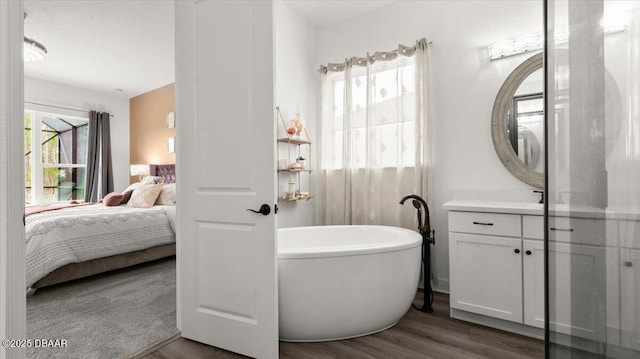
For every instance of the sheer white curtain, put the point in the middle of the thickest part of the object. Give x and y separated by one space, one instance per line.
375 138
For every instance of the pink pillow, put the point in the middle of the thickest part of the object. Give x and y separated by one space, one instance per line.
113 199
126 196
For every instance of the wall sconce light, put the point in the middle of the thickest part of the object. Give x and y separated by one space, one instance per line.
171 120
535 42
171 145
140 170
519 45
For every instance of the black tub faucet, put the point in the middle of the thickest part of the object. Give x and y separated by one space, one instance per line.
417 201
424 227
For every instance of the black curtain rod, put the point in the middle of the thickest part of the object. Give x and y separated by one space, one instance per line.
60 107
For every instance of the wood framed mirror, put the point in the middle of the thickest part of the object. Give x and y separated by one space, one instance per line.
518 142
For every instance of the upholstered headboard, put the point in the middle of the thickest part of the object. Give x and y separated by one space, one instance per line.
167 172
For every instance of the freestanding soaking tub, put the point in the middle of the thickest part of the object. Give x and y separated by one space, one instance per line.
338 282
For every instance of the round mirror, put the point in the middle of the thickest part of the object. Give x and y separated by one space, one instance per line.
517 122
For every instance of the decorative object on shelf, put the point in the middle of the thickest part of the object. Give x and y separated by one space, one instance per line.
291 192
295 129
297 124
301 161
171 120
295 166
140 171
171 144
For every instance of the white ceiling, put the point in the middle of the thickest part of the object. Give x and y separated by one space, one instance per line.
103 45
322 13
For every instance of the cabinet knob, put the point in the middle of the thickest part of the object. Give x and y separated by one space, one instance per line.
628 264
528 253
517 251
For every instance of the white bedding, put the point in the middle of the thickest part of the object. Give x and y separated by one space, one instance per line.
78 234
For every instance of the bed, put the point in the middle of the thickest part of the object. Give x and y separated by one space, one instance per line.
81 241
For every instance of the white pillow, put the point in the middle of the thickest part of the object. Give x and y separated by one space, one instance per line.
167 195
145 196
152 180
131 187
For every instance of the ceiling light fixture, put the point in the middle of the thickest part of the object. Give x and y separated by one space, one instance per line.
33 50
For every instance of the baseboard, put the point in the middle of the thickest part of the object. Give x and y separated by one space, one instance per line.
496 323
441 287
157 346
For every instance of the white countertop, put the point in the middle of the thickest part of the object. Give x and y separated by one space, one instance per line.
537 209
495 207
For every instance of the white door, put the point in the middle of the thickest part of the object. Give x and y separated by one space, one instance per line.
227 269
486 275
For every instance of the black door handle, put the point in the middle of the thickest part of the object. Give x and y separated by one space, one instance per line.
517 251
265 209
528 253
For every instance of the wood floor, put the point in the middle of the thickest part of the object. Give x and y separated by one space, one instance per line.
417 335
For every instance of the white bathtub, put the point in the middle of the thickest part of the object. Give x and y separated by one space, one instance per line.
338 282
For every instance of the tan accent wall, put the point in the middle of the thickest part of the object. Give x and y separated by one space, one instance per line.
148 127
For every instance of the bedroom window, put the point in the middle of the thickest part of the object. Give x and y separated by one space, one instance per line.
55 157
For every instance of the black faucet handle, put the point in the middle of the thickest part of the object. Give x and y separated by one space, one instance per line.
542 197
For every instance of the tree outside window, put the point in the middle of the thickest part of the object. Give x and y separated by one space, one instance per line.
59 172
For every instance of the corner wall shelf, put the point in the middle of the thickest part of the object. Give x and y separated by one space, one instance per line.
295 170
293 163
294 141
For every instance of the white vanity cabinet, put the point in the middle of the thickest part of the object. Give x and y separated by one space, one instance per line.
485 264
566 263
630 298
496 259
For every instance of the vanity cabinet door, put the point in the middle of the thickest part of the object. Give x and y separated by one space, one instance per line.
576 271
533 279
630 298
486 275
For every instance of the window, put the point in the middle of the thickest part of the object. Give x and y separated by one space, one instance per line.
525 127
381 125
55 157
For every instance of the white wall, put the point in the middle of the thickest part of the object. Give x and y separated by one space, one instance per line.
55 94
465 84
296 85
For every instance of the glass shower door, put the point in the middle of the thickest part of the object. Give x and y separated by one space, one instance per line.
593 179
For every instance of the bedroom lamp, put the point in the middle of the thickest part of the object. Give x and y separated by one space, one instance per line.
140 170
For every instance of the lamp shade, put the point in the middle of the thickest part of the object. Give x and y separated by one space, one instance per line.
140 170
